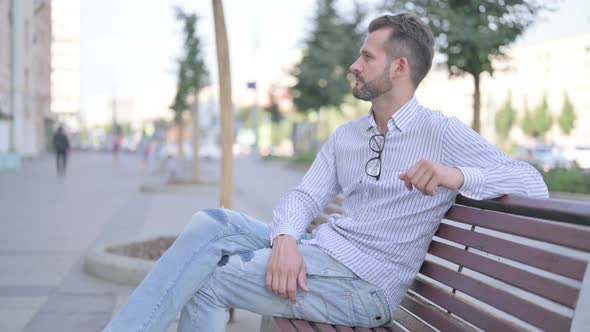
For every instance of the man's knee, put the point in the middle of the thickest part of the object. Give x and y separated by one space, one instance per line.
213 223
208 220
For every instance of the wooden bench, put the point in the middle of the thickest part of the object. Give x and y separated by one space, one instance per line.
507 264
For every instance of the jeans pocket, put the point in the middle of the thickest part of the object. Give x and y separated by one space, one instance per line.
332 308
379 312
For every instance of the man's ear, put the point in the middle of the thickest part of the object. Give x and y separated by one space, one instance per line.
403 65
399 67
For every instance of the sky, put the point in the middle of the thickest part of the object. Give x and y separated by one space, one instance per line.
129 48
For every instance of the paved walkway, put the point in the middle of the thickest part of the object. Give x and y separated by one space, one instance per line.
48 224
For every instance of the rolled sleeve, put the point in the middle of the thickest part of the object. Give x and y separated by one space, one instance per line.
284 229
473 182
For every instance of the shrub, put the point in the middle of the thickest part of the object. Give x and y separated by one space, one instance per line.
567 180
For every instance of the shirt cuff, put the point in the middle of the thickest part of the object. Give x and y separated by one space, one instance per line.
473 182
285 229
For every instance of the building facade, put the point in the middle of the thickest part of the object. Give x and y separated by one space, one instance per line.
65 63
25 69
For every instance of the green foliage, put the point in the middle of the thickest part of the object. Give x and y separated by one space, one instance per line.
192 72
505 118
330 49
245 116
542 120
538 122
567 180
471 33
526 124
275 114
275 118
567 118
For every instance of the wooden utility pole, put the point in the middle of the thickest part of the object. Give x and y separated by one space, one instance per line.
227 114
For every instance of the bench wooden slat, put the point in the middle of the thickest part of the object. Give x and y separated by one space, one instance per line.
341 328
468 311
410 322
433 315
362 329
498 298
548 261
547 288
396 328
571 212
382 329
302 325
284 324
324 327
522 226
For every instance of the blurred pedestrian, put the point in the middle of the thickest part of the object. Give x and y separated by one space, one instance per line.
146 151
117 148
61 144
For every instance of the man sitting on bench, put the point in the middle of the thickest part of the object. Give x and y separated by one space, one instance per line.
400 168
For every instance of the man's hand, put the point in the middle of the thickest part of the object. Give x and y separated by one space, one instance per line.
286 268
426 176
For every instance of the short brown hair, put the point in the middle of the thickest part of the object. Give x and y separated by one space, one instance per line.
410 38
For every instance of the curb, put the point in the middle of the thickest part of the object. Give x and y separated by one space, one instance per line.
116 268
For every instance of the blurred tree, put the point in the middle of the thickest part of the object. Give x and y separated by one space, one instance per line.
330 49
527 125
567 118
505 118
192 77
471 33
542 119
244 116
275 119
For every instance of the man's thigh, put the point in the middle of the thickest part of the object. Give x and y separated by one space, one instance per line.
336 294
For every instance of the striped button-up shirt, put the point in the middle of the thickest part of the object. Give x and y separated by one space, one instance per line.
385 230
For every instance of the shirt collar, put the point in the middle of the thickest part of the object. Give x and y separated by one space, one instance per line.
402 119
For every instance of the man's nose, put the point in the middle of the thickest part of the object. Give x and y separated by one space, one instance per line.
355 68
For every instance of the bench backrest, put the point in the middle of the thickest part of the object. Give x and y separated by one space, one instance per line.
507 264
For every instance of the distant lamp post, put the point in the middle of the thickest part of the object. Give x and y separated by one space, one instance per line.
252 86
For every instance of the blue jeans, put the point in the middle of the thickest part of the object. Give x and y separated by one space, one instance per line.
219 262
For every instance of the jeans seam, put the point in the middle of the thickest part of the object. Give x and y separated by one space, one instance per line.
154 313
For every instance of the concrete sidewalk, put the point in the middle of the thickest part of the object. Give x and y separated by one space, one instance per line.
48 224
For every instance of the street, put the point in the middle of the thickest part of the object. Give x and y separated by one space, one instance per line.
48 224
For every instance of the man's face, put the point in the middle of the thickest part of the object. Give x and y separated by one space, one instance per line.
371 69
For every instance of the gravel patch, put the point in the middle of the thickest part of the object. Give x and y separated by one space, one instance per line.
151 249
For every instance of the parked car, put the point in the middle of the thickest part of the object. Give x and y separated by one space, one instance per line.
546 156
579 156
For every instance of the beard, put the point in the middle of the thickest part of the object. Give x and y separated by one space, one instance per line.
372 89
